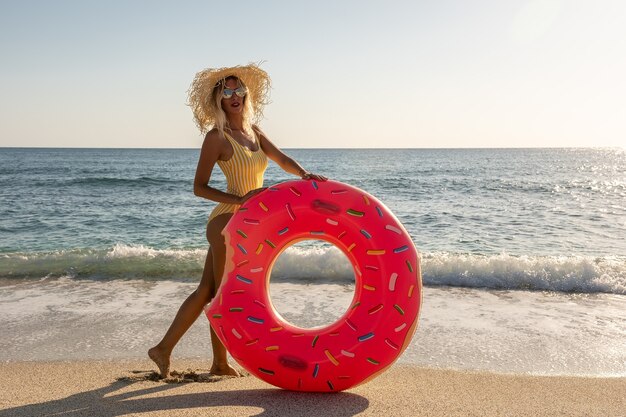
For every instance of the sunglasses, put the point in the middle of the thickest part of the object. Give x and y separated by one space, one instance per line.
228 92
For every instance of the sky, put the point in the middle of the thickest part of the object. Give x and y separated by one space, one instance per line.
345 74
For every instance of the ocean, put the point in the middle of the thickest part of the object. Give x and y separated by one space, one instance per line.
523 253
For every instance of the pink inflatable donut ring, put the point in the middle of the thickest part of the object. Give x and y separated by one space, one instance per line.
383 314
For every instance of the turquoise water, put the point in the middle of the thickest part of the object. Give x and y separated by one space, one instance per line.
537 218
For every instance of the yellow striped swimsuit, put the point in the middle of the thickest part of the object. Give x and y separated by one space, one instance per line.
243 171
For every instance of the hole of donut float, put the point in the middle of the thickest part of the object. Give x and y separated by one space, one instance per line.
312 284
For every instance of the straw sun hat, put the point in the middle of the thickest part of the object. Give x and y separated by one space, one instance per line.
200 93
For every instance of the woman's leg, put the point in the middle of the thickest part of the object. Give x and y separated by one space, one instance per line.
193 305
218 247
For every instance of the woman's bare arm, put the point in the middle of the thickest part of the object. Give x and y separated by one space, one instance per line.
213 149
283 160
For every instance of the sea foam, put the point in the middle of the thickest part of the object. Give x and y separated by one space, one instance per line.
577 274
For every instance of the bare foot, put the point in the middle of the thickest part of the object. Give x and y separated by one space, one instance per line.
224 370
161 359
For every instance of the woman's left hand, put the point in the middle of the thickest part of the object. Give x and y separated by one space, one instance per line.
311 176
250 194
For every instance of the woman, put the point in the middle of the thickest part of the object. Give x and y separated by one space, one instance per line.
226 100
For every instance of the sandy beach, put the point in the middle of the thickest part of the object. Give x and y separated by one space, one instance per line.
114 388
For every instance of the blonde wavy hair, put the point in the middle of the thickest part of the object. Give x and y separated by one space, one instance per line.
205 96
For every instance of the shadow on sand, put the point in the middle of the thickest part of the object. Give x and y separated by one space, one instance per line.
273 402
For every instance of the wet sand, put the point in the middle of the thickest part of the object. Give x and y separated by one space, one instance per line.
115 388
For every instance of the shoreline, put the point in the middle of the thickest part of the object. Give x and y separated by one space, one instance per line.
119 387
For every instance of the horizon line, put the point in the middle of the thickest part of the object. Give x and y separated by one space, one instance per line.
320 148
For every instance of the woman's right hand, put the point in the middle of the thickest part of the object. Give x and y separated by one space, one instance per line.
311 176
250 194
